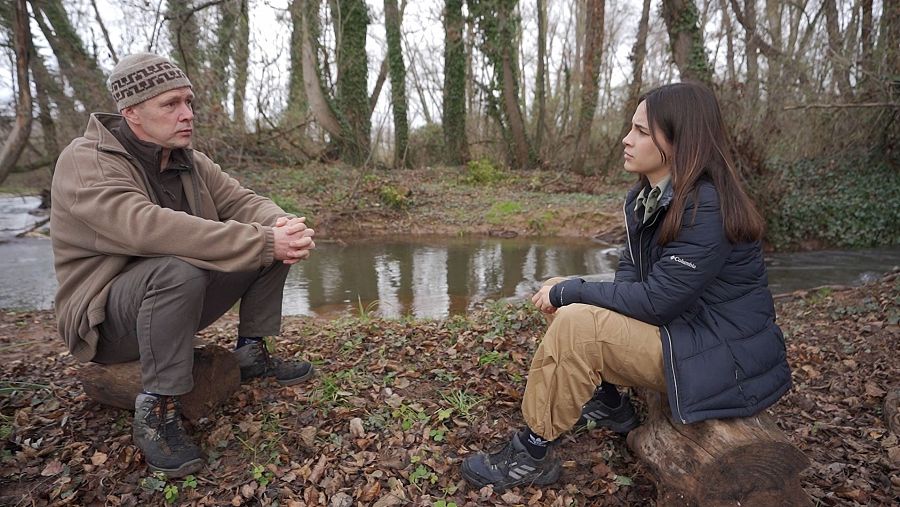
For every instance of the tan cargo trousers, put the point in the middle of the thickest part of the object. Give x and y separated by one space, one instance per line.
585 344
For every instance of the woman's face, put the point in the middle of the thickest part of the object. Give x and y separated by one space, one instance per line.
641 154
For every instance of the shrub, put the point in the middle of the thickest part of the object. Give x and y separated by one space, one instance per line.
841 202
395 198
483 171
426 145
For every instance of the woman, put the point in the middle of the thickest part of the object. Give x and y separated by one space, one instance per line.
688 314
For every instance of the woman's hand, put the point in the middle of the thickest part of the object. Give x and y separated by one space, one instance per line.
541 299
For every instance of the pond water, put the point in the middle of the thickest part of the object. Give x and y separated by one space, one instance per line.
17 214
433 277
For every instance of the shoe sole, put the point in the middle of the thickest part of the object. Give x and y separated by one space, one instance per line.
307 376
191 467
479 482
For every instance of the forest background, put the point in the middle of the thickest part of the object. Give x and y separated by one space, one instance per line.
809 88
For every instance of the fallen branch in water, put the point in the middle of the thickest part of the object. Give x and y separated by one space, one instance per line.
34 227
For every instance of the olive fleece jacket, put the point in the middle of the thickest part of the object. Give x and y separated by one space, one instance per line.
105 214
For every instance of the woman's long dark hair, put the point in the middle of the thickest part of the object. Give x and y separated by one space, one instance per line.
688 116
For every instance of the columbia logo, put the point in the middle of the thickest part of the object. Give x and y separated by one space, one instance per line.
679 260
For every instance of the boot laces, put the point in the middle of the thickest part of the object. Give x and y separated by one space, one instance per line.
169 423
267 358
503 456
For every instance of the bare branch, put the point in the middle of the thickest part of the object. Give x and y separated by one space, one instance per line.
187 14
843 106
109 44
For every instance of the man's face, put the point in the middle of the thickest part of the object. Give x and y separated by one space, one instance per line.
166 120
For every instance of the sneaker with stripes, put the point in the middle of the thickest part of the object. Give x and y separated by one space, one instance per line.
509 467
621 419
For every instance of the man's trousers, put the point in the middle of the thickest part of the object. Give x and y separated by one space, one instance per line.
158 304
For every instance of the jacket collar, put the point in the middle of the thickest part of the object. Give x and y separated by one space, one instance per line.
664 200
100 128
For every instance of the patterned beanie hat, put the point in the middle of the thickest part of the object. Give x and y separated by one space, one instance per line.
142 76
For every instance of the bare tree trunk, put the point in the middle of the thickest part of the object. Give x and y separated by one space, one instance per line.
109 44
501 51
752 51
392 23
241 58
513 112
593 52
420 91
540 93
312 83
686 39
296 105
867 46
637 57
839 67
17 139
79 68
191 53
579 7
774 64
383 72
456 145
69 122
185 38
379 84
221 64
45 116
474 118
728 29
888 52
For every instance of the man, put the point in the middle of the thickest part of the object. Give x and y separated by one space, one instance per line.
153 242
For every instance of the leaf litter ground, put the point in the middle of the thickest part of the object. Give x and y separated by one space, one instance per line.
397 404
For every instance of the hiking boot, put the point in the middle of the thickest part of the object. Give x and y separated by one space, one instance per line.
255 361
509 467
621 419
158 432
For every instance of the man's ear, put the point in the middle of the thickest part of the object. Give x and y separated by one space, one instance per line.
131 115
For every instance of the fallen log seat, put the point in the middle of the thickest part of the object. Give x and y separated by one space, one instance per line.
891 411
736 462
216 378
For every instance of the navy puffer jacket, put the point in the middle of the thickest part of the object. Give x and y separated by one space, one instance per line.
723 354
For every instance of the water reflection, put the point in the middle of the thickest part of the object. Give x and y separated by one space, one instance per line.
436 277
432 278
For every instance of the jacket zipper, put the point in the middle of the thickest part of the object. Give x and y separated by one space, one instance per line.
627 235
674 379
665 328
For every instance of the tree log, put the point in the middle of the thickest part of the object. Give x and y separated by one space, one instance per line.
216 377
746 461
892 411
